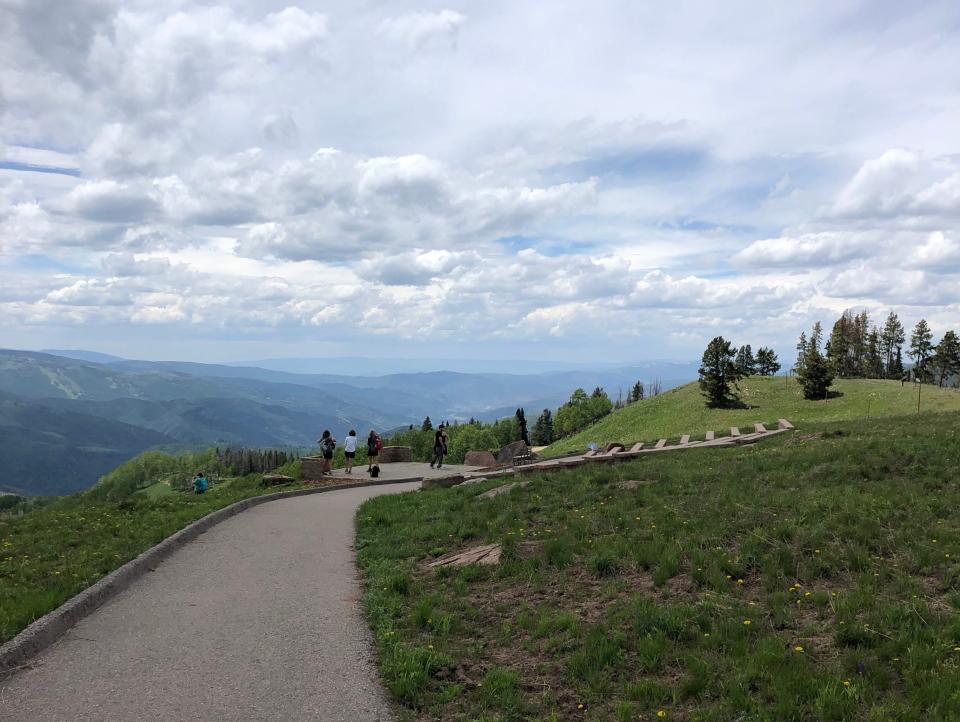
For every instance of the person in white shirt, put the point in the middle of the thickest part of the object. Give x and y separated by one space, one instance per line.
350 449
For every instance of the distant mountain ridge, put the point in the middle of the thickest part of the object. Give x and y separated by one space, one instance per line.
192 404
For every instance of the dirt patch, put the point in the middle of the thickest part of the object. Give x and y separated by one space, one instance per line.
488 554
631 484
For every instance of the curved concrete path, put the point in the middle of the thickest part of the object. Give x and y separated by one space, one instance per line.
257 619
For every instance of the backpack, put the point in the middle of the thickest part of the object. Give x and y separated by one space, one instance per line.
379 444
329 444
375 471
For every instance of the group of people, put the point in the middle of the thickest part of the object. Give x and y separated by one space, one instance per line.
328 445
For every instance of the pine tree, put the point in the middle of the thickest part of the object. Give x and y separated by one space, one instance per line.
718 371
946 360
522 425
815 375
873 359
636 393
543 429
767 362
839 345
896 371
921 348
745 362
427 425
891 342
801 352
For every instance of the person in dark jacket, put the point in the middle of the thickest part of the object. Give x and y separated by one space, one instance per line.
439 446
373 449
328 445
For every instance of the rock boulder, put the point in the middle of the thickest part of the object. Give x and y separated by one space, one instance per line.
480 458
506 454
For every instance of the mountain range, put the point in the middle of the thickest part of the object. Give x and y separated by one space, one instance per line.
69 417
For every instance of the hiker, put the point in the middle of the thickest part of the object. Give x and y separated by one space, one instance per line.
439 446
328 445
373 449
200 483
350 450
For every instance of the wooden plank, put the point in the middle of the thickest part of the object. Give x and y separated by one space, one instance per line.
685 439
592 452
710 436
660 444
637 446
784 424
760 428
734 431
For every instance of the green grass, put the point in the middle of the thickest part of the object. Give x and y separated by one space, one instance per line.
797 579
59 549
683 411
156 490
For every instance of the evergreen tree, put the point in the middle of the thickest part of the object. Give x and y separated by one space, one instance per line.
816 337
815 375
427 425
636 393
801 351
745 362
873 359
522 424
896 370
767 362
946 360
891 342
718 371
839 347
921 348
543 429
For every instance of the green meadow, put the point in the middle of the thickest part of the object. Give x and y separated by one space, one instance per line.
812 576
766 399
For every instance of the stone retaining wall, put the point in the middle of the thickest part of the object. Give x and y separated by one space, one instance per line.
394 454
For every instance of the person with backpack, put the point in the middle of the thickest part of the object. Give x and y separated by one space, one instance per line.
328 445
350 450
373 449
439 446
200 483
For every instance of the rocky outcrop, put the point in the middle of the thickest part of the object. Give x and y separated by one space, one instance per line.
480 458
393 454
506 454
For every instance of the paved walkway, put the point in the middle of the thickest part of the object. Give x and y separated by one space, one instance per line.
407 470
257 619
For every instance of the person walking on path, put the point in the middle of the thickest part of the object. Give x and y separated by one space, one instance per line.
373 449
328 445
200 483
350 450
439 446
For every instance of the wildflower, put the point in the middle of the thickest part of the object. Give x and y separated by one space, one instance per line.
739 581
816 551
706 634
429 646
661 713
580 706
846 683
747 622
798 648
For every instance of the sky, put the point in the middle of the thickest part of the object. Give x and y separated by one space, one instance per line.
582 181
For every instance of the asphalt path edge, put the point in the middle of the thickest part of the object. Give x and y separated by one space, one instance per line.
16 653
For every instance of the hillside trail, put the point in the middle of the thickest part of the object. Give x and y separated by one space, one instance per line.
257 619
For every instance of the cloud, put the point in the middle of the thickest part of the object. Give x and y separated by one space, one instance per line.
810 250
418 29
109 201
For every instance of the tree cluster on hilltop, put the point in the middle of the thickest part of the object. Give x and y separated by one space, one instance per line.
858 349
723 365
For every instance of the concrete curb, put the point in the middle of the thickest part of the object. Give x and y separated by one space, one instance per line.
50 627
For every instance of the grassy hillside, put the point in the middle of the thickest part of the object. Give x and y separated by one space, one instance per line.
810 577
59 549
682 410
